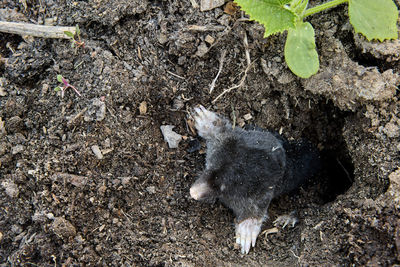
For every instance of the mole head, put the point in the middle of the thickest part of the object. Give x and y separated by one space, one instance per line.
205 188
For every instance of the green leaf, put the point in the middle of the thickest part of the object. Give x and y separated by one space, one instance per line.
60 78
300 53
375 19
57 89
78 31
273 14
69 34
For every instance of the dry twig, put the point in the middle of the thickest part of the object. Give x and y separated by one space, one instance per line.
36 30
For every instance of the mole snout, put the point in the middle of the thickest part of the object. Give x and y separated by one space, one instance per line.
245 170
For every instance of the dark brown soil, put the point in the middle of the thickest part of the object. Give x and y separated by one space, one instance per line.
61 205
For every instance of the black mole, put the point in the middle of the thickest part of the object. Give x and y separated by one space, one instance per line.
245 170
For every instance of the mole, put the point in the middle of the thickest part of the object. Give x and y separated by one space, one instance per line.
246 169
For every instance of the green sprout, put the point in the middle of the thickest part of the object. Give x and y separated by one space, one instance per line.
75 42
375 19
65 86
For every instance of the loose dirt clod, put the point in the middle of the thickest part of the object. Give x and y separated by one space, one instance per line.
63 228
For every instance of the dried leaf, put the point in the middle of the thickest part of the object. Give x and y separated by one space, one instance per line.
231 8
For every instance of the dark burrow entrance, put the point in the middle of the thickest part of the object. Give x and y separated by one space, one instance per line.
324 130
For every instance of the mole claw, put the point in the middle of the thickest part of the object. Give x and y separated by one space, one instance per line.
285 220
246 233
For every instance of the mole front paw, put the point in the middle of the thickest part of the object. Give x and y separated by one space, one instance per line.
206 122
247 232
288 219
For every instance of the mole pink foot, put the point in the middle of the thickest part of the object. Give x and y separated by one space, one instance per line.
247 232
199 190
205 121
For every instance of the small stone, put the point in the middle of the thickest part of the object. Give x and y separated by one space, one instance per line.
206 5
247 117
171 137
3 92
209 39
50 216
143 108
202 49
97 152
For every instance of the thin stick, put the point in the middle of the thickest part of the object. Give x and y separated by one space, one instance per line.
36 30
200 28
240 84
176 75
221 64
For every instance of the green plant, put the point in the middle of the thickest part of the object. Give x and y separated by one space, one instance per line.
75 42
65 86
375 19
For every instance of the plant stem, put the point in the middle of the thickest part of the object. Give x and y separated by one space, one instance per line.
322 7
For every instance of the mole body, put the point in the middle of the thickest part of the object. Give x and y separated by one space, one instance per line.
245 170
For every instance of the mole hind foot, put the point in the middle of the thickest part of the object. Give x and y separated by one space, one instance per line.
287 219
247 232
199 191
207 123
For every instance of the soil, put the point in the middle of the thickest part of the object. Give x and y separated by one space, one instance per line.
90 181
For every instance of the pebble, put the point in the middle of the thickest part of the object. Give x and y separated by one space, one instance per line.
171 137
247 117
206 5
143 108
202 49
97 152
